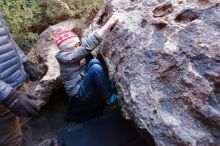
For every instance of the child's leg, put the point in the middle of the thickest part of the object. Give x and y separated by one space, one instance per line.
96 81
92 62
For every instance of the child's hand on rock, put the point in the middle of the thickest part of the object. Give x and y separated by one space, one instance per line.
108 25
112 20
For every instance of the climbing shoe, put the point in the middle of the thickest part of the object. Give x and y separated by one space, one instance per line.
113 100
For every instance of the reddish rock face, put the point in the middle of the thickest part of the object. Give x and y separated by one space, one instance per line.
165 59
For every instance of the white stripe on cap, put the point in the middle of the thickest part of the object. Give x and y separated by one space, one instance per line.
68 43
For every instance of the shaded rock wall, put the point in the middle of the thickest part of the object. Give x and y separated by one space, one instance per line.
165 59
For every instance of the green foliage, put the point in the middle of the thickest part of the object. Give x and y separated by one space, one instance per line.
54 10
85 8
28 18
20 16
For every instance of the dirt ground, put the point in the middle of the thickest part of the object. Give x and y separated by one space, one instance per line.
51 119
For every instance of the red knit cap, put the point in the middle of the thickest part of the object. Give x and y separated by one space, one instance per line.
66 39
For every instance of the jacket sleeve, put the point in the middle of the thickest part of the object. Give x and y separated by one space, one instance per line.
5 90
21 54
78 54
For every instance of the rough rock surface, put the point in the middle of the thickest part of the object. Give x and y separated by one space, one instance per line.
44 52
165 59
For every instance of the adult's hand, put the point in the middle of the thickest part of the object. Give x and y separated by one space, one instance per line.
22 103
32 70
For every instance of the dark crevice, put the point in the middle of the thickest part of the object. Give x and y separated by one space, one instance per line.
160 26
143 23
163 10
147 136
51 121
101 59
103 18
217 86
187 16
204 2
51 118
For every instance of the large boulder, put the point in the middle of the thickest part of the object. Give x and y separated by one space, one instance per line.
165 59
43 53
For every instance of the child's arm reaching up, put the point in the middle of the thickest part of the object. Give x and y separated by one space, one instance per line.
102 31
88 45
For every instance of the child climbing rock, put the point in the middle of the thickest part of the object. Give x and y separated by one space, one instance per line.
88 92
